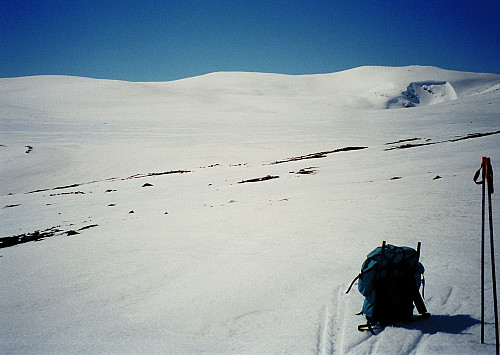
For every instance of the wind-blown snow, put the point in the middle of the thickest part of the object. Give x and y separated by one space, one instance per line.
221 213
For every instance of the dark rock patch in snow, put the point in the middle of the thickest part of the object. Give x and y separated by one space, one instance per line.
69 193
55 188
474 135
469 136
35 236
403 140
38 235
316 155
89 226
136 176
268 177
10 206
140 176
238 164
306 171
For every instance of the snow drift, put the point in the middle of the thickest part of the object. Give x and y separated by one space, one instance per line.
227 213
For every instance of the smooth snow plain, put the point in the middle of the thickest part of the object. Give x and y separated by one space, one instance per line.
174 254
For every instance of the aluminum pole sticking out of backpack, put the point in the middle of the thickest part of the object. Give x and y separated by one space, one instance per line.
390 280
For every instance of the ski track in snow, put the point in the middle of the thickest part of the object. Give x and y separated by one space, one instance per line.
334 325
447 296
338 337
326 328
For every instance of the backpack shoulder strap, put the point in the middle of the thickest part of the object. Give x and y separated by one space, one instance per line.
419 303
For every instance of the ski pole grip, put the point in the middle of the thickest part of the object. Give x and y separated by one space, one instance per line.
487 174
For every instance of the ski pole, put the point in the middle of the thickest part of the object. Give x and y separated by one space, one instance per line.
482 253
483 183
489 180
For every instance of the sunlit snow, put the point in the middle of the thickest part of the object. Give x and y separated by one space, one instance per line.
228 213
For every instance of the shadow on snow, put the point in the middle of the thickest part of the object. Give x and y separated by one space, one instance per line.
455 324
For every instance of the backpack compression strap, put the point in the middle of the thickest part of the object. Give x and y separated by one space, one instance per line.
362 273
352 283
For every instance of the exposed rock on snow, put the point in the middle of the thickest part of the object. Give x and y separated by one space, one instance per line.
427 142
424 93
87 227
316 155
38 235
265 178
306 171
10 206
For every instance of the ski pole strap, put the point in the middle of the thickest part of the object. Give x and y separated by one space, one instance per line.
487 173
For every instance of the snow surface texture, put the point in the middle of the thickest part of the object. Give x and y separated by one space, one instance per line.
228 213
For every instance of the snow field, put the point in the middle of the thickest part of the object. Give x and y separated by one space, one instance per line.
207 264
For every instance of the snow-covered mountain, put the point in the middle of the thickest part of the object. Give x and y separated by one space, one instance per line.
362 88
228 212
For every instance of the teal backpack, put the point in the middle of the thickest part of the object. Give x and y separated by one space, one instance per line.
390 280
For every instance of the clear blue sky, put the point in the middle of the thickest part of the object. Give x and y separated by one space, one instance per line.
143 40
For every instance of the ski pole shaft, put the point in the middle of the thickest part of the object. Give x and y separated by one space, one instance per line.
482 247
482 170
493 276
489 179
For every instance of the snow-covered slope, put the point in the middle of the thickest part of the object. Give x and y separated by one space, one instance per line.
228 212
365 87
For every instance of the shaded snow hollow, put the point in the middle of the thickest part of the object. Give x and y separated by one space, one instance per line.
424 93
228 213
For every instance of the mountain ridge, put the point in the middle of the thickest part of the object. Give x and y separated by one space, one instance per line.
366 87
